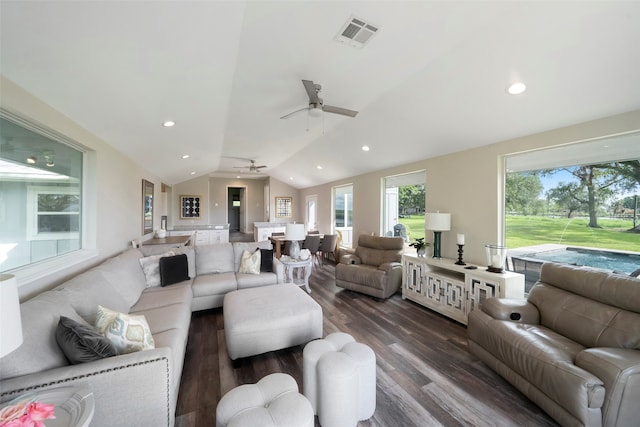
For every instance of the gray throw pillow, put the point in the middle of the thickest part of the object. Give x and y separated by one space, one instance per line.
81 343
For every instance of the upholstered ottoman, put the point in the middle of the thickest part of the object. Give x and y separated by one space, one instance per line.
339 379
267 318
272 401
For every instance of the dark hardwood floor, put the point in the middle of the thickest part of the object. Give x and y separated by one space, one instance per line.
425 373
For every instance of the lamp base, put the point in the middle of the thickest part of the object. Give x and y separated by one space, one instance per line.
436 244
294 250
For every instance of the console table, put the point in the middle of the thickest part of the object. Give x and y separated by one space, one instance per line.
455 290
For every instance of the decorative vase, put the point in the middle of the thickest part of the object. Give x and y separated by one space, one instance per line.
422 252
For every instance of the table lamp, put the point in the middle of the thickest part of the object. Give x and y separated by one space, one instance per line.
437 222
295 233
10 321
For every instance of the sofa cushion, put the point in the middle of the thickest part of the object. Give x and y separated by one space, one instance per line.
214 284
81 343
163 296
363 273
151 268
39 350
240 247
255 280
190 252
88 290
212 259
124 274
266 260
173 269
130 333
376 250
250 263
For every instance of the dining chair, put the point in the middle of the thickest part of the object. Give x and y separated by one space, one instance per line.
312 244
328 247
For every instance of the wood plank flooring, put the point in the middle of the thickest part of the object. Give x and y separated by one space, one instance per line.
425 373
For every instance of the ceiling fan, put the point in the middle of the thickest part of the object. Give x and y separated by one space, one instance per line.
315 102
252 167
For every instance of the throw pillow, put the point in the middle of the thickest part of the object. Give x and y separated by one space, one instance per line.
250 262
151 267
130 333
81 343
266 260
173 269
104 317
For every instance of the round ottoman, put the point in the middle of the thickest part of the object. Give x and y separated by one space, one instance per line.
273 401
322 386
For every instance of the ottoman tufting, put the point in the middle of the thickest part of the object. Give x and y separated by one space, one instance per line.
339 379
272 401
268 318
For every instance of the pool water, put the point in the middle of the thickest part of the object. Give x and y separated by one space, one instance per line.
614 261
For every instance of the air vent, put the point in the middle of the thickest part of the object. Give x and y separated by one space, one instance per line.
356 32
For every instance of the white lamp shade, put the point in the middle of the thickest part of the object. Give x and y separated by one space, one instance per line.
10 321
438 221
295 232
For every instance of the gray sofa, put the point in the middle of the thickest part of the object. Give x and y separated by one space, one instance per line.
138 388
375 268
573 347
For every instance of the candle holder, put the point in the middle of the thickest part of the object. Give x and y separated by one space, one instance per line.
460 250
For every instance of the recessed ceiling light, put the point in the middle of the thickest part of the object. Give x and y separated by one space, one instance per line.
516 88
185 156
169 123
319 167
238 176
365 148
193 173
291 178
31 160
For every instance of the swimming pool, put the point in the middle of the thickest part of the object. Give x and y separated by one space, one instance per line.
614 261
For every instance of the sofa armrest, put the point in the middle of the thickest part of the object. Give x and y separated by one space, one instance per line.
514 310
350 259
278 269
388 266
619 370
128 387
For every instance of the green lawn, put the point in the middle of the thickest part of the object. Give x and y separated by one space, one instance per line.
535 230
415 226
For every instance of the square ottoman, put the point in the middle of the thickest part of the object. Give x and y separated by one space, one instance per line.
268 318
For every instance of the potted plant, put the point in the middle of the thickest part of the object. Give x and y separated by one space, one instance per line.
420 246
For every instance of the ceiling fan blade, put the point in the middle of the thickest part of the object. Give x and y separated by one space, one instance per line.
339 110
310 87
259 167
294 112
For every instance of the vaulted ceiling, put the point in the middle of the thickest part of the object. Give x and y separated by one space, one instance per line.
431 81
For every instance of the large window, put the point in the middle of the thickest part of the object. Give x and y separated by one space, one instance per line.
40 194
404 204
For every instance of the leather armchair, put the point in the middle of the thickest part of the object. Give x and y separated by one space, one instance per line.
375 268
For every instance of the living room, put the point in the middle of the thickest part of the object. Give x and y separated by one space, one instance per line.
465 172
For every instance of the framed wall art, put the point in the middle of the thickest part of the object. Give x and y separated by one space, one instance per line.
147 207
190 207
283 207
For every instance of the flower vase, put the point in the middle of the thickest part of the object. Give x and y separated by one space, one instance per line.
422 252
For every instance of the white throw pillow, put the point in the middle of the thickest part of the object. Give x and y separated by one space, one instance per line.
250 262
104 317
130 333
151 267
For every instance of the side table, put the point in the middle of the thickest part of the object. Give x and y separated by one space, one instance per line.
303 271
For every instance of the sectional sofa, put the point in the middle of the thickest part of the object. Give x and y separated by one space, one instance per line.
138 388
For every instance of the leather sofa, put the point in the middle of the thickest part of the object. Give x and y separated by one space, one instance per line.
573 347
375 268
139 388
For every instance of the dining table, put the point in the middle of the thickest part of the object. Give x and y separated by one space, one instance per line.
279 241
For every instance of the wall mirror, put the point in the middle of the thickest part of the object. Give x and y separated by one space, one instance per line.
283 207
147 207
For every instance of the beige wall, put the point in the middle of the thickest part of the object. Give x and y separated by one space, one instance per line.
281 189
117 197
467 184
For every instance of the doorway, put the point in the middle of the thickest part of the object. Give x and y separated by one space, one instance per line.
236 208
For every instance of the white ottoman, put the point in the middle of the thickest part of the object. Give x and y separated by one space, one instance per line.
268 318
317 377
272 401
